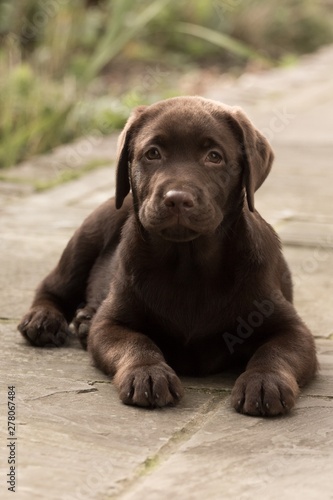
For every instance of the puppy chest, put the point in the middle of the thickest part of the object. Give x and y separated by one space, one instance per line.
186 311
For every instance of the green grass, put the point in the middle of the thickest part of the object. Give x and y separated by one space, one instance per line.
47 72
30 122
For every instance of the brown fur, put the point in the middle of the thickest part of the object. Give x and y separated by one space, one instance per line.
185 275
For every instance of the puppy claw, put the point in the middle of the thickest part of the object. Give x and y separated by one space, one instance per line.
149 386
82 314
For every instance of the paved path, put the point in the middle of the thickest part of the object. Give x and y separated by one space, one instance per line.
74 439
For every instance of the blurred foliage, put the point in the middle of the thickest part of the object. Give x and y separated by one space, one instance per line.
58 58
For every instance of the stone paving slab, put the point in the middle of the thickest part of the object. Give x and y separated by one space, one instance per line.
312 270
300 183
78 156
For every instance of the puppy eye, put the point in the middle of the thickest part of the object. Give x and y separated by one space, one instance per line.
153 154
214 157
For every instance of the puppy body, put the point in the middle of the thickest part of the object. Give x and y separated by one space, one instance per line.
185 275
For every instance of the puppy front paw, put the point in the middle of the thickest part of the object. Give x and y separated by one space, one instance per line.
81 324
264 394
149 386
44 327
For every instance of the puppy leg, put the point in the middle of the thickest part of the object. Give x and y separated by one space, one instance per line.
141 374
271 382
64 289
61 292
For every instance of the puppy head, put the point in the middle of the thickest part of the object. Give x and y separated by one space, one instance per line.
187 160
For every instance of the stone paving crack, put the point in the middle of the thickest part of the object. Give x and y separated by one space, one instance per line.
75 391
205 413
208 390
93 382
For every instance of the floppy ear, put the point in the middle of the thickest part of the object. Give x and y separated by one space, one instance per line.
257 154
123 158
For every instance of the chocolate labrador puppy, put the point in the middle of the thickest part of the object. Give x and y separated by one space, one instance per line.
183 274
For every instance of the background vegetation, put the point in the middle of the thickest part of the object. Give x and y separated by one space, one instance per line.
68 67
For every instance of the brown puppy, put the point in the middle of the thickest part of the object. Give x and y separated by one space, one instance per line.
184 273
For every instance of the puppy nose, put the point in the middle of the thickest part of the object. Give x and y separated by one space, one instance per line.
178 200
